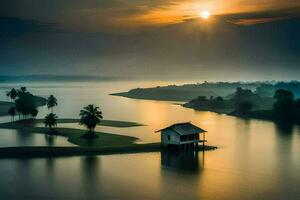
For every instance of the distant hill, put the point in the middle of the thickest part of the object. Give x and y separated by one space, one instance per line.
187 92
27 78
268 90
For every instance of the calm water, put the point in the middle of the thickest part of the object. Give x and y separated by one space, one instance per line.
255 160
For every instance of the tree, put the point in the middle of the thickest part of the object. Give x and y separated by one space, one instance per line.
21 91
51 102
243 107
12 94
51 121
217 102
242 95
285 106
34 112
90 117
25 104
284 95
12 112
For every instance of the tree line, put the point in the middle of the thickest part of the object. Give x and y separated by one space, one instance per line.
25 103
286 108
26 106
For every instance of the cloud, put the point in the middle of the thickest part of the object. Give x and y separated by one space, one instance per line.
261 17
248 22
123 16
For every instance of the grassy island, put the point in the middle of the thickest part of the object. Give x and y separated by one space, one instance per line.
106 143
44 152
74 135
186 92
111 123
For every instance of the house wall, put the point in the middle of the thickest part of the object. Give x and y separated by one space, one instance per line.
174 137
190 137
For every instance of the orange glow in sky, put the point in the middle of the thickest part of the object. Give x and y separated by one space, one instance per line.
205 14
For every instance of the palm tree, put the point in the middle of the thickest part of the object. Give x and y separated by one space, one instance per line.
21 91
12 94
90 117
51 102
50 121
12 112
33 112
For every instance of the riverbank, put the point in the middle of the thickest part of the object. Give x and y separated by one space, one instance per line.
75 135
106 143
259 114
187 92
111 123
36 152
47 152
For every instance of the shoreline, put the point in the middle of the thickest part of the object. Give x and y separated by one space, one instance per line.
50 152
105 144
257 114
147 98
74 136
252 115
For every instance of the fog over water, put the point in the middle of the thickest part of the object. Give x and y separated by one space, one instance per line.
255 159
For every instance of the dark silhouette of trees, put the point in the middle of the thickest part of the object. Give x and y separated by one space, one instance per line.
243 107
242 95
203 103
243 101
34 112
51 102
12 112
25 105
217 102
51 118
25 102
12 94
90 117
22 90
51 121
268 89
285 108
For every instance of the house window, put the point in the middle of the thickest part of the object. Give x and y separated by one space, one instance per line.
169 137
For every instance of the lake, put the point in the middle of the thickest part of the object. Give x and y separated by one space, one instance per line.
255 159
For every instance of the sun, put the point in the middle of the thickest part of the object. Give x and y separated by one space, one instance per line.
205 14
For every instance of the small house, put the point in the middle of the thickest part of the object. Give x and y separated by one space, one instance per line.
182 136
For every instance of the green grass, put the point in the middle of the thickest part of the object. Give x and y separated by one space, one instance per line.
37 152
106 143
112 123
74 135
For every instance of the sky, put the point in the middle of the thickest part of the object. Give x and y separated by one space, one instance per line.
162 39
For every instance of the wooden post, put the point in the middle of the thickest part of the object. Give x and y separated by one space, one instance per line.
203 140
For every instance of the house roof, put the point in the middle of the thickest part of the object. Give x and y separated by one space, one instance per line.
185 128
